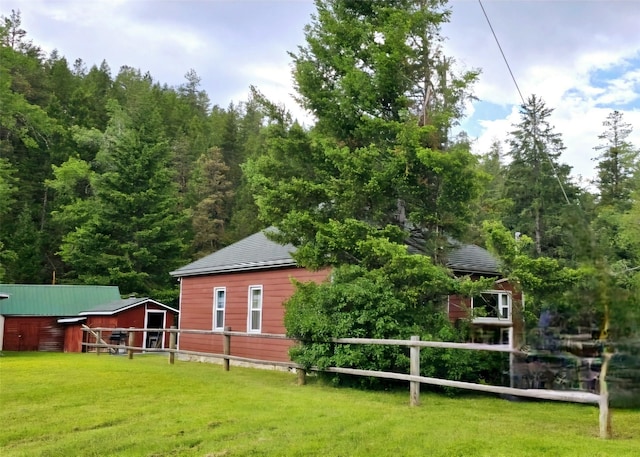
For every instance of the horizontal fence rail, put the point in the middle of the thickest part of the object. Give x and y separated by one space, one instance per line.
413 377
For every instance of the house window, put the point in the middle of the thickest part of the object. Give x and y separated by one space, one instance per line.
219 302
492 305
255 309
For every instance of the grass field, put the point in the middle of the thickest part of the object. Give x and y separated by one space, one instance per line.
84 405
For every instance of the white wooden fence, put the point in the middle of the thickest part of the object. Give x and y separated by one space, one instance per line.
414 378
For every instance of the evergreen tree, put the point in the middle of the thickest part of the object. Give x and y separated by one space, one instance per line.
369 74
617 163
491 205
28 135
89 99
198 99
132 236
185 115
244 219
377 165
538 184
212 191
7 191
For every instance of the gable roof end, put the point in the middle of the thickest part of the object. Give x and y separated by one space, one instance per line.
117 306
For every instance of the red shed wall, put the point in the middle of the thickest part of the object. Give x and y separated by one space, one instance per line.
73 337
99 321
132 317
196 310
32 333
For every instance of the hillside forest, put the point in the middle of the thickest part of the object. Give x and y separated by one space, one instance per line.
112 177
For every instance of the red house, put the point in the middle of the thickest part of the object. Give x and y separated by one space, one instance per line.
244 285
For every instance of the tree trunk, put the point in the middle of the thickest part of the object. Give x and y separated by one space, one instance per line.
538 234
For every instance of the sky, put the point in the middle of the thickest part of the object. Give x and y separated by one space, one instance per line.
581 56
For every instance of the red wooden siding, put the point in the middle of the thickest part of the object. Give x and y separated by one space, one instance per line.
32 333
197 302
73 338
196 310
458 307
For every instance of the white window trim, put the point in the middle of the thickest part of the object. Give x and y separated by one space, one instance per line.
250 309
215 325
146 325
499 319
179 315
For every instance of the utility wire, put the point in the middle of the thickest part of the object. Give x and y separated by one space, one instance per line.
536 142
501 51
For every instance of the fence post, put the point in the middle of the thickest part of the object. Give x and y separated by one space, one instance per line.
172 345
130 343
226 347
603 403
302 376
98 341
414 370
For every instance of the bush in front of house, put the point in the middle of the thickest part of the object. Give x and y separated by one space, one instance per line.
391 294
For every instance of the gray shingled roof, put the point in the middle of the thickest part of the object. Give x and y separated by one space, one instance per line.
469 258
117 306
252 253
258 252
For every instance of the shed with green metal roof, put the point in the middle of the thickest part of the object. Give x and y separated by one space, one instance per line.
50 317
28 317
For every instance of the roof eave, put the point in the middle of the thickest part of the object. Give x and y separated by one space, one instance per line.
234 268
477 271
71 320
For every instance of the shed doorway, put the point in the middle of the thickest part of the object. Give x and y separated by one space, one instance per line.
154 319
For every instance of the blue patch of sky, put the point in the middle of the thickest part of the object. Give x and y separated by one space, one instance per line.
601 78
483 111
634 104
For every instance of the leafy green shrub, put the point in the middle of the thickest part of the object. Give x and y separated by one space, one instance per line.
394 299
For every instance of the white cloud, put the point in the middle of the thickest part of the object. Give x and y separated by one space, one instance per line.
104 29
274 81
623 90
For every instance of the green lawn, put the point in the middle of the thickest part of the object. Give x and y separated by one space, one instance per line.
84 405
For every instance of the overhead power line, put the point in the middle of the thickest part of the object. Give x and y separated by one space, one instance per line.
513 78
501 51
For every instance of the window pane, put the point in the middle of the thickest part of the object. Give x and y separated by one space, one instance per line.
495 305
255 320
487 304
219 318
504 307
255 298
255 309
